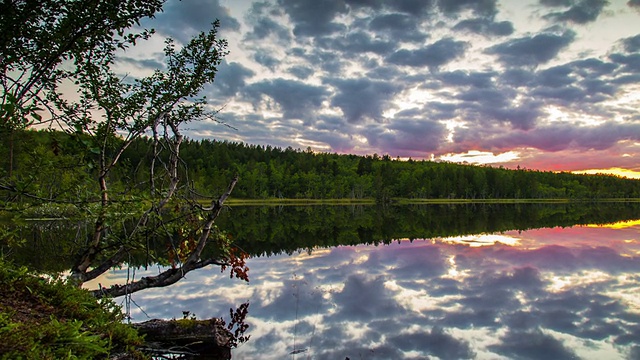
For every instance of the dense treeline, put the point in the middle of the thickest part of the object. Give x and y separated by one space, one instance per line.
271 172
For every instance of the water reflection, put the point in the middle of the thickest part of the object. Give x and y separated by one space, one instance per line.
551 293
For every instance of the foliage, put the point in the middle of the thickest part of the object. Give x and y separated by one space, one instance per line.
54 48
44 43
39 37
237 326
48 319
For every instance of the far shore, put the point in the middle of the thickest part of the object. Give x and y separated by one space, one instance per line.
405 201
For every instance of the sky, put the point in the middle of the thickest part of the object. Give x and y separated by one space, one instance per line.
540 84
551 293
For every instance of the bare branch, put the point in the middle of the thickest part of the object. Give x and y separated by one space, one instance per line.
193 262
167 277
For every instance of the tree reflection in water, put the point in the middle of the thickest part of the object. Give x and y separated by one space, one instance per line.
481 281
549 293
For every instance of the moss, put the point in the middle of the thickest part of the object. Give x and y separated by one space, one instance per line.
49 319
187 323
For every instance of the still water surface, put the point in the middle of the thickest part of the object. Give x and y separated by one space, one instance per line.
547 293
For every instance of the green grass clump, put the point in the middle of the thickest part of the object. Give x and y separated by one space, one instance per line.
49 319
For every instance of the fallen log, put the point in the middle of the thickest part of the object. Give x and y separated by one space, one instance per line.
189 338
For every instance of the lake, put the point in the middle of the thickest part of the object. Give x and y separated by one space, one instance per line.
538 281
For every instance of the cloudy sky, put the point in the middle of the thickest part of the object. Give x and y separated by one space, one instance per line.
544 84
554 293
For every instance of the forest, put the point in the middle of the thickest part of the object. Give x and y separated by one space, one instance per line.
65 165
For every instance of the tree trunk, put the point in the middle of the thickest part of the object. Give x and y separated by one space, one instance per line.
192 339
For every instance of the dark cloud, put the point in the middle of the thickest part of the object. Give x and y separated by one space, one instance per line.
374 4
267 342
595 87
556 76
606 135
360 99
355 350
558 137
592 67
492 104
383 72
300 71
632 44
231 78
432 56
313 18
263 18
323 60
396 22
423 261
297 100
626 79
366 299
441 111
435 342
608 259
630 63
265 58
470 318
582 312
333 132
408 137
531 50
557 2
486 8
516 77
577 82
411 7
565 321
295 298
356 42
563 95
582 12
396 27
526 278
265 27
554 257
520 320
466 78
532 345
183 19
486 97
485 27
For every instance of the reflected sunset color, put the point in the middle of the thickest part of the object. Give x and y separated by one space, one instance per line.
550 293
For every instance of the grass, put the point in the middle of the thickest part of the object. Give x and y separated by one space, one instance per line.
301 202
48 319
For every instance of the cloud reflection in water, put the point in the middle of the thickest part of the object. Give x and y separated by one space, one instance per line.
558 293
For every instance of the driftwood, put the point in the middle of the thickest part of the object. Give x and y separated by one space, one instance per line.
187 338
